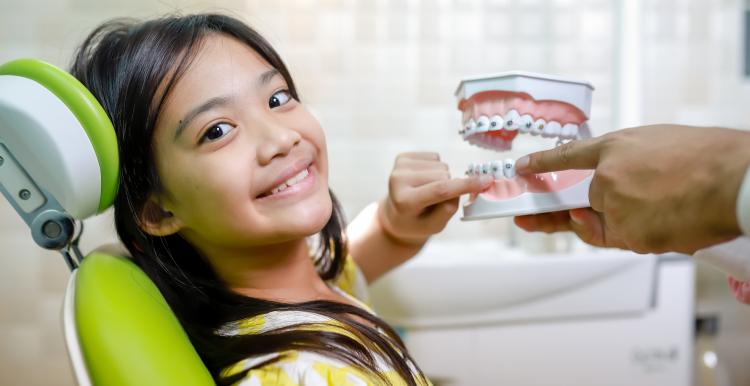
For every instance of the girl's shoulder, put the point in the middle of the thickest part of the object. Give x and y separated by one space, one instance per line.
353 282
350 283
301 368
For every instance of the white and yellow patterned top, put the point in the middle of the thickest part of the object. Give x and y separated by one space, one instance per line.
302 368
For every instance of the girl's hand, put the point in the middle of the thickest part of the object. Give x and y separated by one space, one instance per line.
422 197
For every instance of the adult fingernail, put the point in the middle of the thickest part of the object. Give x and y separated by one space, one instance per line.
576 217
522 164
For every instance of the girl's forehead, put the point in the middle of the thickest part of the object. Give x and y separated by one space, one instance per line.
222 57
222 65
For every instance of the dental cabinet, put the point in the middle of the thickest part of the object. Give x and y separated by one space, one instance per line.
482 314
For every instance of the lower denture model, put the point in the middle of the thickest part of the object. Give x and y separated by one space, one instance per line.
496 109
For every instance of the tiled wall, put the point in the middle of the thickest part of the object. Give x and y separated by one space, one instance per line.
380 76
693 63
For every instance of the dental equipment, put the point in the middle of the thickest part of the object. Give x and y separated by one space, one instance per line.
58 166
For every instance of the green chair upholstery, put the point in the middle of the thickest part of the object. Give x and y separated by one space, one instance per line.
58 165
127 331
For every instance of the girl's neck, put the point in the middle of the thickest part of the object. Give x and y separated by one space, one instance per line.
281 272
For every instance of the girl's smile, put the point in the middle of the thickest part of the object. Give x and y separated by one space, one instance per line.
300 183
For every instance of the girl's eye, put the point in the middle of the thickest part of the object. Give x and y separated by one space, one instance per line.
279 98
217 131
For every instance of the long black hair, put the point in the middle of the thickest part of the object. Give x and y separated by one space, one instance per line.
124 63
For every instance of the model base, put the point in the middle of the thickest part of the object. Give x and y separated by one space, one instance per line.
576 196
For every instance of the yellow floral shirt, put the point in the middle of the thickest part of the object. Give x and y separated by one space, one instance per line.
303 368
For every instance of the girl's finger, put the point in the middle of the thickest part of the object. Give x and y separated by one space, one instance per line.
437 216
423 155
413 178
420 164
443 190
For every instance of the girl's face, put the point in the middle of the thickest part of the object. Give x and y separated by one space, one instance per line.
241 162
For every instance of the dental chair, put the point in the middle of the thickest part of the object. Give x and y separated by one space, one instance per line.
58 166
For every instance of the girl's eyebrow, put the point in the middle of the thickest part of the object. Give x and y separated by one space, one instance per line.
208 105
214 102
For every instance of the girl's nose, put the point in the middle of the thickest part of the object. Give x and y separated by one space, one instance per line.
277 140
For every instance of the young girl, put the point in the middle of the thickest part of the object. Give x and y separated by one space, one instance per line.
224 177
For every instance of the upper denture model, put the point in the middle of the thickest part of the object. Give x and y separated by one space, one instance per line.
495 110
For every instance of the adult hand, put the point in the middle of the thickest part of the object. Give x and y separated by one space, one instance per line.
655 188
422 197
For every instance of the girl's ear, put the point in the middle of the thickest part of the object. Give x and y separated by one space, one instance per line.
157 221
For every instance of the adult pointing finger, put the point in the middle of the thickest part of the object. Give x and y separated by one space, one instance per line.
658 188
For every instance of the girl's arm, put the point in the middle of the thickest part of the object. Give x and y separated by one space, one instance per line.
422 197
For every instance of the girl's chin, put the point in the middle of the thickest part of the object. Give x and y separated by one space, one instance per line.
308 218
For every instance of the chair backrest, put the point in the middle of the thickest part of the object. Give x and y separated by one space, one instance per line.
127 331
58 154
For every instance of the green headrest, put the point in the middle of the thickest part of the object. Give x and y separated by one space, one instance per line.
86 109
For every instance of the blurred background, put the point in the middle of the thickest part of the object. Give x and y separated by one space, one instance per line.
380 76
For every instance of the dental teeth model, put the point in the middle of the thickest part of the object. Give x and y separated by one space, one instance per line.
496 109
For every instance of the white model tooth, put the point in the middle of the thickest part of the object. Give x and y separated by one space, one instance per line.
569 131
525 123
497 169
477 169
574 134
469 128
483 124
511 120
537 127
509 168
470 170
486 168
551 129
496 122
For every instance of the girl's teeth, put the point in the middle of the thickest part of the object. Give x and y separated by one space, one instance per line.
292 181
279 188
